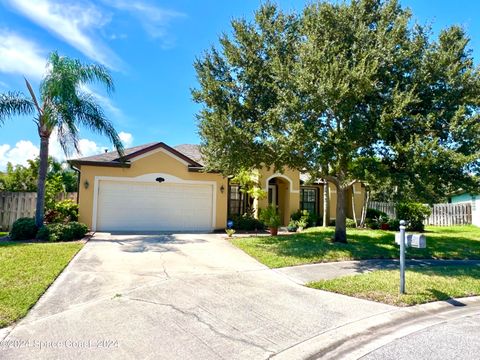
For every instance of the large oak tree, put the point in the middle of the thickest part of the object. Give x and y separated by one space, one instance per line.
346 91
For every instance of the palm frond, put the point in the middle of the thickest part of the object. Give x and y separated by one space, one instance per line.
90 114
14 104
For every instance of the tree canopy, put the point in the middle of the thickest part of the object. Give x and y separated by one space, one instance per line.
25 178
345 91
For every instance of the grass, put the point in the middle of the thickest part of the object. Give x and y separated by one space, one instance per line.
26 271
3 233
314 245
422 285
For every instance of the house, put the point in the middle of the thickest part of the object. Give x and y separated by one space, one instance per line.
163 188
473 199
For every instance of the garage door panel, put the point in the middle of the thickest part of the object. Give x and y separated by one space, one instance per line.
136 206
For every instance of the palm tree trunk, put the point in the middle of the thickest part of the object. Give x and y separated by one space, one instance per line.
42 177
340 221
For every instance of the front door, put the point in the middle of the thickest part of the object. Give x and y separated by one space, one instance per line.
272 195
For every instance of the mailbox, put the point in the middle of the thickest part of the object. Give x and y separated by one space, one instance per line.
412 240
418 241
408 239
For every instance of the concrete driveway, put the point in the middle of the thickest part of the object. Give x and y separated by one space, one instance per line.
186 296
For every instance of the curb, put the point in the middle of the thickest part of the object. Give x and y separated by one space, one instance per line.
358 338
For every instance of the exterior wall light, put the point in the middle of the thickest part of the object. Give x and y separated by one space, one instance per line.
222 189
86 184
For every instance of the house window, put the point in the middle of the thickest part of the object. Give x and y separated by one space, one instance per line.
308 200
236 200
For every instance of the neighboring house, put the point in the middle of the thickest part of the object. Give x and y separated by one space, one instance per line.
468 198
158 187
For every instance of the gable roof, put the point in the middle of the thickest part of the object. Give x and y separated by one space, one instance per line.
112 158
192 151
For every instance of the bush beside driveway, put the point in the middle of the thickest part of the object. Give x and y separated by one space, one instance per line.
314 245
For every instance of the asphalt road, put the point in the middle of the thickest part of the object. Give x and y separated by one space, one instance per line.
457 339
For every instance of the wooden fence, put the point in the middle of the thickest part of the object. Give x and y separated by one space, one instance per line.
14 205
450 214
442 214
387 207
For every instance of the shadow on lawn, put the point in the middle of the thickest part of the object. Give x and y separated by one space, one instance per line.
370 245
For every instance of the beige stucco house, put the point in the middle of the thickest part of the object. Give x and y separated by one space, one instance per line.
163 188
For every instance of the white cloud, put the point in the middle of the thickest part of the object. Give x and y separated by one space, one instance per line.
73 22
127 138
19 154
21 56
25 150
154 19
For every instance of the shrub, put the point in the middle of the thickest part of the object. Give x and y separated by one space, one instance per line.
292 226
270 217
63 211
414 214
302 223
67 210
394 224
247 222
309 217
62 232
375 214
332 222
23 229
43 233
351 223
230 232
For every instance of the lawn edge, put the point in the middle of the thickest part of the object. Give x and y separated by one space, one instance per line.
5 331
356 339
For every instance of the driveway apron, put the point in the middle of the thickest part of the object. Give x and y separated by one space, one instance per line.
182 296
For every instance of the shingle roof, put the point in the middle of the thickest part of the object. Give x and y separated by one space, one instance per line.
113 155
188 152
192 151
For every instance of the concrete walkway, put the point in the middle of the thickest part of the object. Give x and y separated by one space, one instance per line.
303 274
175 297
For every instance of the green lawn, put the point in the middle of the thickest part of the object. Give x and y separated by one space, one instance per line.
314 245
26 271
422 285
2 233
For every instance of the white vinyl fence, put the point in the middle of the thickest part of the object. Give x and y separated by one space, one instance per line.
450 214
14 205
442 214
387 207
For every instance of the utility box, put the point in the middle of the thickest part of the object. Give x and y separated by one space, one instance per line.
418 241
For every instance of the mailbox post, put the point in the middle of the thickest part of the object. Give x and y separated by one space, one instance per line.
402 256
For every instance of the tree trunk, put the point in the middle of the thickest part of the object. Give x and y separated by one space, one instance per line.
340 221
326 205
42 176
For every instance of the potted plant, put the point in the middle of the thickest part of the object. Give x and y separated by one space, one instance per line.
292 226
271 219
302 224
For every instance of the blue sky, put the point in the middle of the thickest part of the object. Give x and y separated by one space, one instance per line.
150 47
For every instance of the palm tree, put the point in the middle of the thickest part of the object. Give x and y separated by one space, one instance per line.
64 106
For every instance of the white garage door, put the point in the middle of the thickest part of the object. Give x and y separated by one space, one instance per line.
139 206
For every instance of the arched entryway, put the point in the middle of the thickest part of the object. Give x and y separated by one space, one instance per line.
279 195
